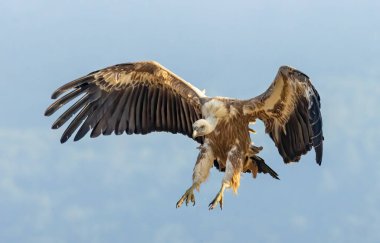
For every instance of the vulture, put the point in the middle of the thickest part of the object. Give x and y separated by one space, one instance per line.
144 97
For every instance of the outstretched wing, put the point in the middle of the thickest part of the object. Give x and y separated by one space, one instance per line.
138 98
290 110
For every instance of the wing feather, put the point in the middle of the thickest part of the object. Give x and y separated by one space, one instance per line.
153 106
76 122
132 111
111 121
144 111
181 113
158 110
188 116
139 109
139 97
168 112
124 111
162 114
290 109
173 113
93 118
177 113
70 112
62 101
101 126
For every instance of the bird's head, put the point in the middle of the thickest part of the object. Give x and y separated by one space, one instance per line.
202 127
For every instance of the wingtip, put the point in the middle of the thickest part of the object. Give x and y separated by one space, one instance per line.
64 138
274 174
319 153
56 94
319 161
52 109
47 112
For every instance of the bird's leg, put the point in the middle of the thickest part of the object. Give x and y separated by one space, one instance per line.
200 173
219 197
188 196
231 178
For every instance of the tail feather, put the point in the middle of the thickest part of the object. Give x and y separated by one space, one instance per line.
263 168
253 164
257 165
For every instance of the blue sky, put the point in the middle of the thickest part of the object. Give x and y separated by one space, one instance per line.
124 188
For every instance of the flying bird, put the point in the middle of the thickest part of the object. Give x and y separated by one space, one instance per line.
143 97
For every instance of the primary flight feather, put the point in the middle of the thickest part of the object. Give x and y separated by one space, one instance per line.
144 97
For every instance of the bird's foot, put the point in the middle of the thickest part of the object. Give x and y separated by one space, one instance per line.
187 197
217 200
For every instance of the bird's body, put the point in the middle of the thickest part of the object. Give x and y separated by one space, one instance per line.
231 131
144 97
230 141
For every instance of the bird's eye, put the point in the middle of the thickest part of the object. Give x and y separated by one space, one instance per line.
202 127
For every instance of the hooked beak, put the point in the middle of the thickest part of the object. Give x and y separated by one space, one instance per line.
195 134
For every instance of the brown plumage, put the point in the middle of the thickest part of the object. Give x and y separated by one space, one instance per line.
290 109
133 98
143 97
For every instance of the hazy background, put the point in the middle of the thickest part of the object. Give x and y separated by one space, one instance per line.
124 188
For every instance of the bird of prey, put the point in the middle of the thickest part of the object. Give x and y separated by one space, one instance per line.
143 97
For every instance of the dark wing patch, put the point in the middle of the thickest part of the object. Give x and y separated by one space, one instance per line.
290 109
136 98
